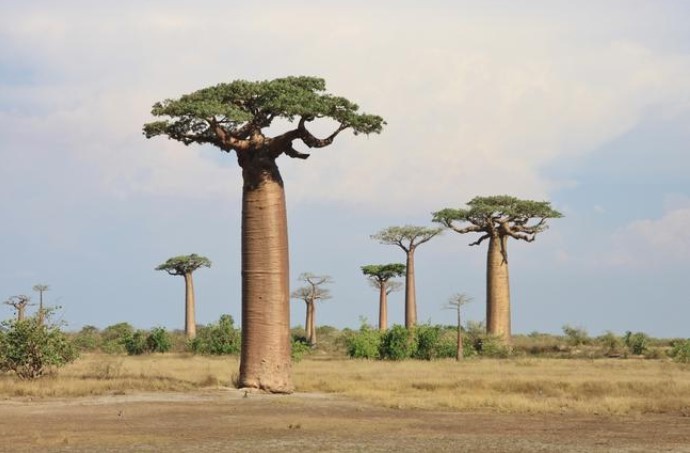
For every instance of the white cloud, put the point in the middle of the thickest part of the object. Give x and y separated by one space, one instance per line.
476 104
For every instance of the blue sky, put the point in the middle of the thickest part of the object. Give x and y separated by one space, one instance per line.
587 106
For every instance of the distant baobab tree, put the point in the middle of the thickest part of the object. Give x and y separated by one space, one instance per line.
19 303
380 276
235 118
40 288
456 302
498 218
310 294
408 238
184 266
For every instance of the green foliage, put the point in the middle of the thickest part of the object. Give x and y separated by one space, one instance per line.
135 344
427 339
610 342
637 343
575 336
113 338
680 351
398 343
383 272
363 344
159 340
88 339
220 338
300 347
232 105
484 344
32 346
406 236
184 264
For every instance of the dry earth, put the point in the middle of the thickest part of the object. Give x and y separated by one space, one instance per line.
229 420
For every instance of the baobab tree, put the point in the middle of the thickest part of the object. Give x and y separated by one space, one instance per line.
184 266
310 294
380 276
456 302
498 218
19 303
408 238
40 288
235 117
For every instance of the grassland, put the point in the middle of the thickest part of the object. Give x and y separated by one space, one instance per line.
524 385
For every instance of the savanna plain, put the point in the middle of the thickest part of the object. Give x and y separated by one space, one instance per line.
185 402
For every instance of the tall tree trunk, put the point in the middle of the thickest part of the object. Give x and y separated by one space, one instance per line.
307 322
459 353
498 289
383 307
410 294
20 313
265 361
312 323
189 310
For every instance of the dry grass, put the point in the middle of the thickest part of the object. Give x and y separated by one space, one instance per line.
613 387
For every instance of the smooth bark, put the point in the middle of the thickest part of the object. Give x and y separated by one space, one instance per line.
265 361
498 288
459 353
311 314
189 310
383 306
410 293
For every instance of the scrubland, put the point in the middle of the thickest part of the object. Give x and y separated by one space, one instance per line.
515 385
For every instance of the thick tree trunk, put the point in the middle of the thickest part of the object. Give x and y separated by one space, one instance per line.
410 293
20 314
265 362
498 289
459 353
383 307
312 323
189 307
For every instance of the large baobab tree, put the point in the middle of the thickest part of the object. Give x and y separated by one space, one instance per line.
310 294
380 276
235 118
19 303
497 219
456 302
184 266
408 238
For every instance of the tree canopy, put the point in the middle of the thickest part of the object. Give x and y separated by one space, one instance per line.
406 237
501 215
383 272
184 264
232 115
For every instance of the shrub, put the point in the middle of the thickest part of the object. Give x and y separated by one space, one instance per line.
680 351
135 344
300 347
398 343
113 338
363 344
158 340
637 343
575 336
610 342
218 339
88 339
428 342
31 347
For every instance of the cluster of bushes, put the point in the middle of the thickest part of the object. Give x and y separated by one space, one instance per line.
34 346
423 342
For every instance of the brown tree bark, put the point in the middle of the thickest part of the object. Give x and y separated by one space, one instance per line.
20 313
265 361
189 311
459 352
498 288
410 293
383 306
311 310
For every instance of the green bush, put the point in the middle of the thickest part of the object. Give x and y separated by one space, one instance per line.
575 336
158 340
398 343
363 344
637 343
680 351
88 339
300 347
610 342
135 344
428 342
113 338
31 347
218 339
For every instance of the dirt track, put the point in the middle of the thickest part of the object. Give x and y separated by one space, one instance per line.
226 420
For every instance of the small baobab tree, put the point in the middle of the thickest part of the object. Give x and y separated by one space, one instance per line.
456 302
498 218
408 238
19 303
40 288
184 266
235 117
310 294
380 276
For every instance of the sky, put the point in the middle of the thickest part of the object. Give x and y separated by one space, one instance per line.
584 104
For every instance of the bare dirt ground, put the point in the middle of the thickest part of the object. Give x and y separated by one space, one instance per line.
227 420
